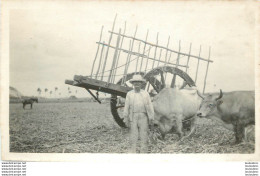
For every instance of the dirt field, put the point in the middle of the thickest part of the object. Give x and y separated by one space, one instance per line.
84 127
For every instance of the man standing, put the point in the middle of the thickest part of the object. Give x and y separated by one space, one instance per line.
138 113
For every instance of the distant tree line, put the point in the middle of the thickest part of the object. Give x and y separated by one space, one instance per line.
56 92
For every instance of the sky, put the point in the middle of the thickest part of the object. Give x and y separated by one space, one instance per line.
54 42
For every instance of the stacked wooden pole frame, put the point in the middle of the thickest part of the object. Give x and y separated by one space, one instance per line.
141 64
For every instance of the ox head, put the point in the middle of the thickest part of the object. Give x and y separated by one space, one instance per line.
209 104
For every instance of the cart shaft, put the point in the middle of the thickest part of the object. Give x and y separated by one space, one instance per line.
102 86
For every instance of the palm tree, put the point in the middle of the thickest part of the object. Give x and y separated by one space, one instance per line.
69 91
39 91
50 93
56 88
46 90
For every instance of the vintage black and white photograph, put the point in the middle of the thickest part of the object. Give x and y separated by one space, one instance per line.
132 77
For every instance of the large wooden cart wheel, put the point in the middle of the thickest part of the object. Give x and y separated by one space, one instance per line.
156 78
117 103
168 75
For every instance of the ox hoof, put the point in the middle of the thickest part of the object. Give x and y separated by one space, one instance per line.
236 142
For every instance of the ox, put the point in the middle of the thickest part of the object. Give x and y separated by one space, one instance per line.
235 109
172 107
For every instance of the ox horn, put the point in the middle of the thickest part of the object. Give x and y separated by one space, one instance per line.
220 95
199 94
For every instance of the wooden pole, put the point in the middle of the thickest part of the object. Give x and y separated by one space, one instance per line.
170 57
96 53
167 64
158 46
137 60
158 65
155 49
167 49
138 54
147 58
177 64
129 55
178 57
197 70
115 57
93 96
205 79
100 61
159 58
110 38
113 80
126 64
144 51
188 60
187 64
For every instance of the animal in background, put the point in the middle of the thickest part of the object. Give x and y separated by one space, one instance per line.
29 101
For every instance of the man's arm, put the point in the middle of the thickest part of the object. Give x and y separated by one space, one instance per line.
150 109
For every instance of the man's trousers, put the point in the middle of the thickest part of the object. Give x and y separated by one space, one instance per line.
139 128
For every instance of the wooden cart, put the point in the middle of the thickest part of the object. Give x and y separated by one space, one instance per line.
124 55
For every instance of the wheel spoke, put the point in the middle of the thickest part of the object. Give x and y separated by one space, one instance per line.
151 81
173 81
127 85
162 80
184 84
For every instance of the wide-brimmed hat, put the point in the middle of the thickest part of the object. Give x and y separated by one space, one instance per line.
137 78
